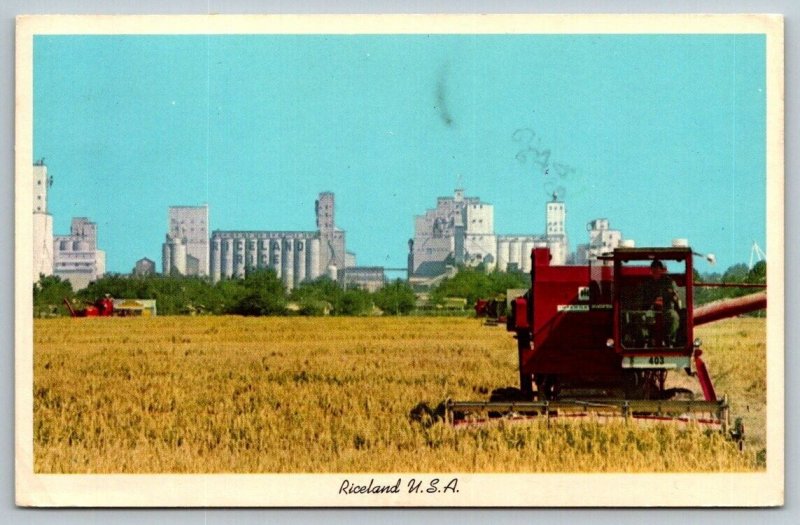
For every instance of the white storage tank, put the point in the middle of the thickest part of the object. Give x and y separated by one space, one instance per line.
514 253
502 255
527 248
178 257
216 259
166 258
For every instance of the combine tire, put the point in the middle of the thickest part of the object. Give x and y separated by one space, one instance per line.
425 415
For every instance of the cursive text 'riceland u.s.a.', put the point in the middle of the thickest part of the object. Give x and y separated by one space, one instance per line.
411 486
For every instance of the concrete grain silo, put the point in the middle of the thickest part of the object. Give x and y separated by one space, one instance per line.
313 259
300 260
166 257
238 259
263 253
277 257
527 248
502 255
227 255
216 259
514 253
288 263
178 256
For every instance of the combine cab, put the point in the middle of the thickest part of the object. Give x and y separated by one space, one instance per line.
598 339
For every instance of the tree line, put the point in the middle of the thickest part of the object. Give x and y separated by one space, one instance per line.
261 292
736 274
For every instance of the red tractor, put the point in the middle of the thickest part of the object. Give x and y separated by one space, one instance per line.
587 342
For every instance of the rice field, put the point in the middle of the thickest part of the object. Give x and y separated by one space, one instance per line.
276 395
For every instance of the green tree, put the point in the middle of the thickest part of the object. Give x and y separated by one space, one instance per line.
472 285
263 294
317 297
758 274
326 295
395 298
736 274
49 294
354 301
227 293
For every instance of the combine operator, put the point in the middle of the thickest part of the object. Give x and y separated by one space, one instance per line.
660 296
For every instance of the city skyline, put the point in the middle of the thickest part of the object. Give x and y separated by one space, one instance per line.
256 126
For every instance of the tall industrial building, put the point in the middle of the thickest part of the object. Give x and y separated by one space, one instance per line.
185 250
295 256
42 223
76 257
460 230
332 241
602 239
556 236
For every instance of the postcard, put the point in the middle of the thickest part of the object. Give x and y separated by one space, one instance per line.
399 261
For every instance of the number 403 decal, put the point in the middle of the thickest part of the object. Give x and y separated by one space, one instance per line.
656 360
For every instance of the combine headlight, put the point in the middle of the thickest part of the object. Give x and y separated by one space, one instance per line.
697 343
609 343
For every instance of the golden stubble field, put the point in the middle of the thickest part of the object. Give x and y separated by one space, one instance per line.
247 395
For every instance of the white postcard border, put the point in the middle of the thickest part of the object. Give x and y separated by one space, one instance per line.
321 490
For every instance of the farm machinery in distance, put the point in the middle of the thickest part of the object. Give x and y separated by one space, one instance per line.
106 306
589 341
103 307
494 311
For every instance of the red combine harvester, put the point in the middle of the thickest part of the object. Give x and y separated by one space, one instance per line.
493 311
103 307
590 343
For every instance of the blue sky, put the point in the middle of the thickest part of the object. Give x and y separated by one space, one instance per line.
664 135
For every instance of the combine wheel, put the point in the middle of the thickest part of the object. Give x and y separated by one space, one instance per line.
632 384
645 384
547 387
737 433
503 395
428 416
679 394
508 394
